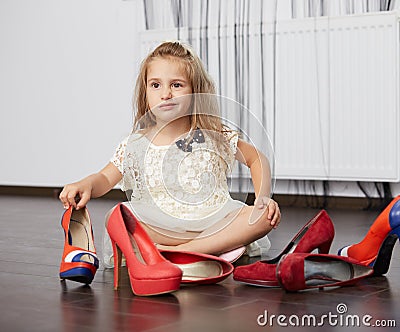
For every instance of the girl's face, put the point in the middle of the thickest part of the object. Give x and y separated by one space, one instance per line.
166 85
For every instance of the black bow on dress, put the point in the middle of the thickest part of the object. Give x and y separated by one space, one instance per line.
186 146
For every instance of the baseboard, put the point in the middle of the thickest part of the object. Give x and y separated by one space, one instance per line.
331 202
54 192
302 201
29 191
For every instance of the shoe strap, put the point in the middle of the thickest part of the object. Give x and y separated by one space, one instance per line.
76 256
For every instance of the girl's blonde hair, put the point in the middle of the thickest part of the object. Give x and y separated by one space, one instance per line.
205 110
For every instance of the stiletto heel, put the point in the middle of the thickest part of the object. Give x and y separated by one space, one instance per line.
149 272
117 264
299 271
318 234
375 250
79 260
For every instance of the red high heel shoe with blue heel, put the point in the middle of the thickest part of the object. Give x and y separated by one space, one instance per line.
375 250
79 260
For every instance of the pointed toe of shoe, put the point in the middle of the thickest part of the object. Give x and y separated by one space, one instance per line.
257 274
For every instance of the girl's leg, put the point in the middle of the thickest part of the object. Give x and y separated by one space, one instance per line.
248 225
237 229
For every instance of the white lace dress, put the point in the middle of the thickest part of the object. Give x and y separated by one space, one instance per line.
179 191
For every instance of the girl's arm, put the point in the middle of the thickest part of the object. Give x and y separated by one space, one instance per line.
259 167
94 185
261 178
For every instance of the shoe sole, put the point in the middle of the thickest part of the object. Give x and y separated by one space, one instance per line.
81 275
259 283
154 286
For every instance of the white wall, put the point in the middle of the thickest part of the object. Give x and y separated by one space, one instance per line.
67 75
67 72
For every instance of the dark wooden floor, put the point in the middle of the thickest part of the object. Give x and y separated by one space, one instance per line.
34 299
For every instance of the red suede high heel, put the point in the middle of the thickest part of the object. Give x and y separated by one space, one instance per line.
299 271
79 260
318 234
149 272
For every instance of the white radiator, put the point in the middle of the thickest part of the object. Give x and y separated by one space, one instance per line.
334 112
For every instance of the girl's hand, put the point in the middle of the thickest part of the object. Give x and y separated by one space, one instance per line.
274 213
70 193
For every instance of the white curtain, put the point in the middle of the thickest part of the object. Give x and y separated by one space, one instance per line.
238 42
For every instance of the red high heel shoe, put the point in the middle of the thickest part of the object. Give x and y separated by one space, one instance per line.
79 260
149 272
199 268
299 271
318 234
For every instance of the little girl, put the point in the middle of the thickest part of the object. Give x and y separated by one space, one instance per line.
175 163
